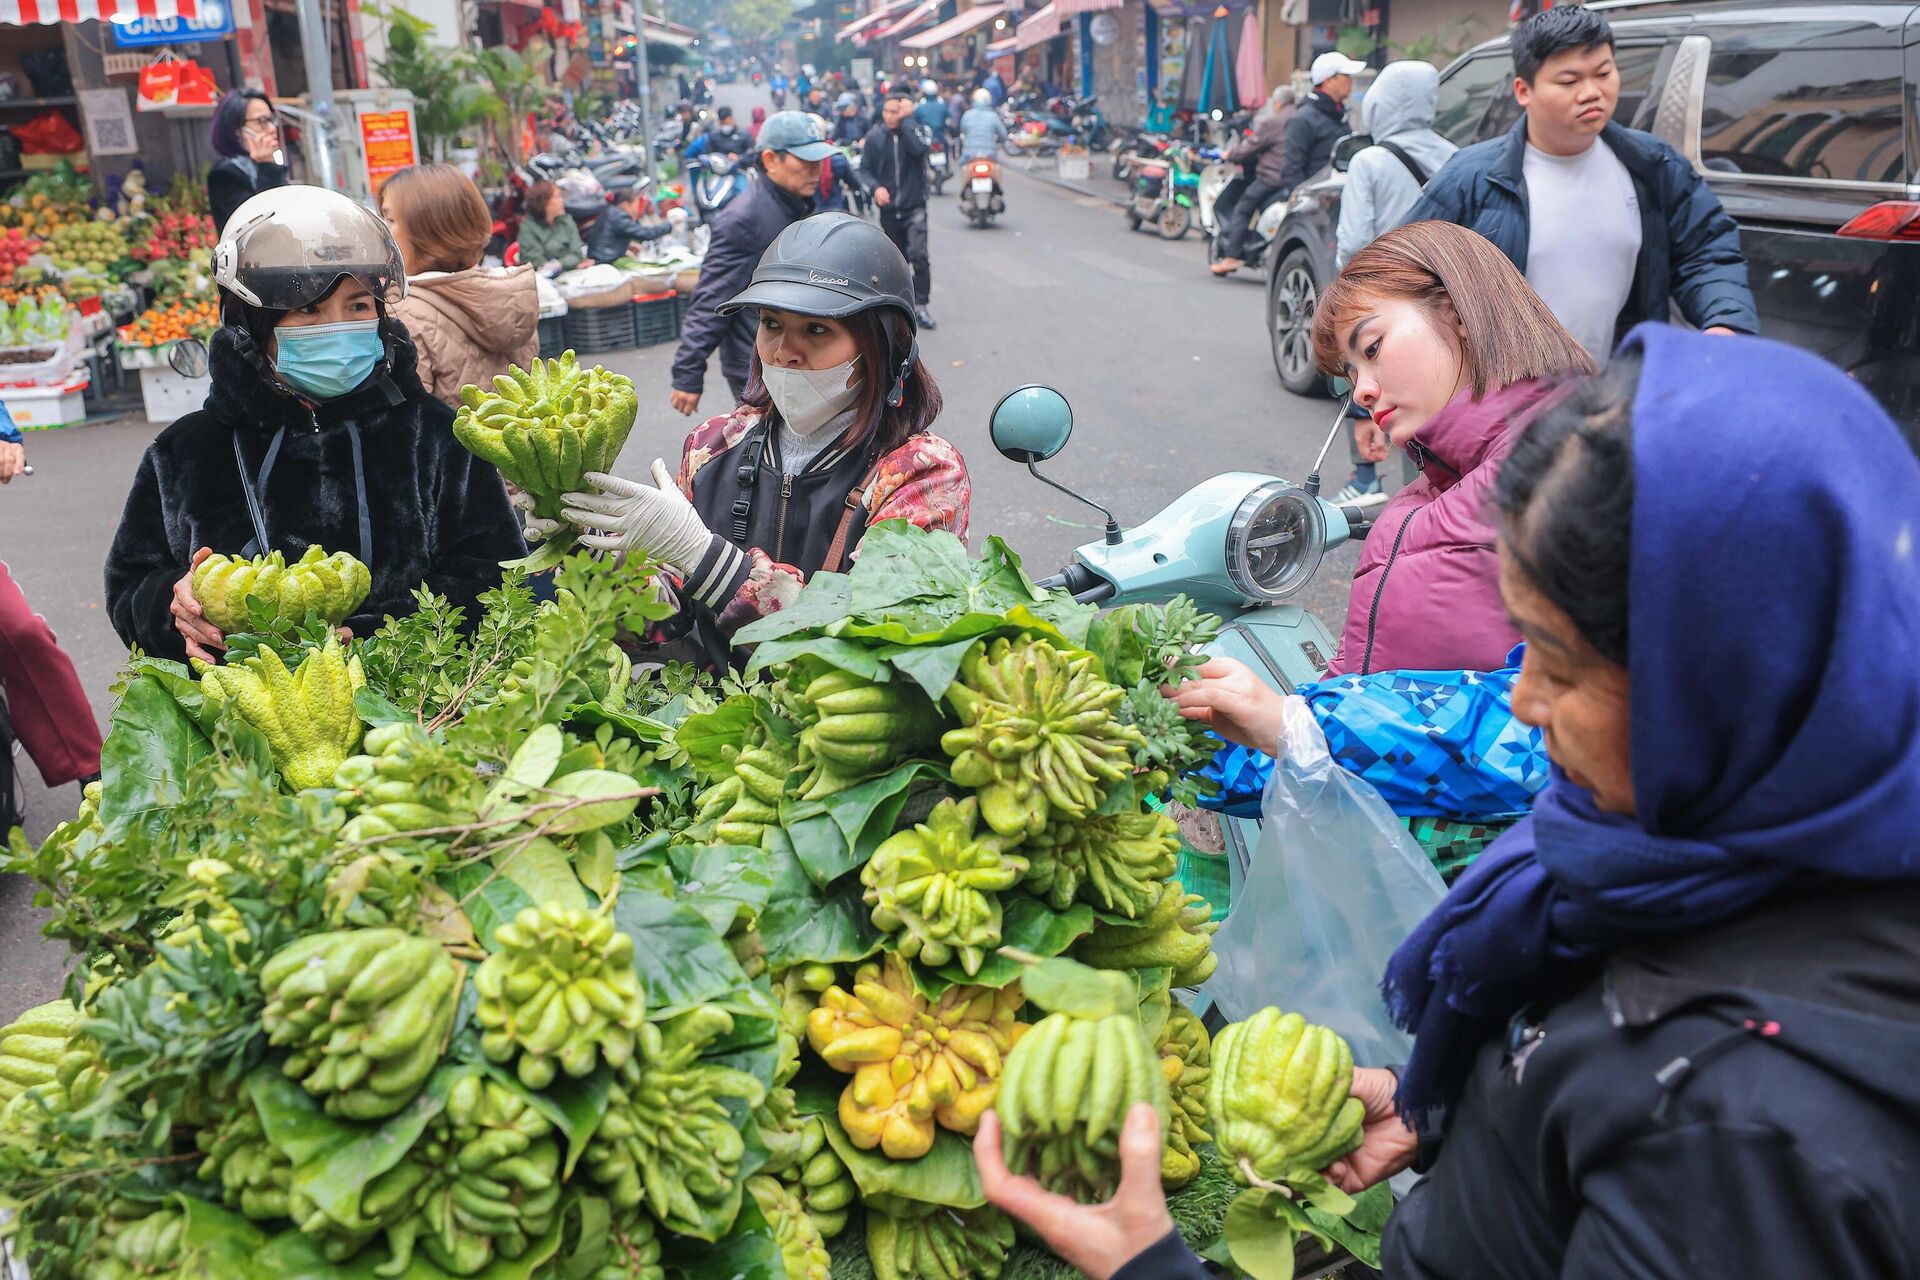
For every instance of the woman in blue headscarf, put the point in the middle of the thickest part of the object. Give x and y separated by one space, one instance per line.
1668 1025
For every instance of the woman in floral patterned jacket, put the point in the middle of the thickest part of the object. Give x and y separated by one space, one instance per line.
832 437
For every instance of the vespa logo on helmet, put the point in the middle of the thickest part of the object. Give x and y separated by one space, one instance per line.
821 277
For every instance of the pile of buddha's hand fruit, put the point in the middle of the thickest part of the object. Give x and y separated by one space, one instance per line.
469 947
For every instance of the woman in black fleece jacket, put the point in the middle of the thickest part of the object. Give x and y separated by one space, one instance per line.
375 472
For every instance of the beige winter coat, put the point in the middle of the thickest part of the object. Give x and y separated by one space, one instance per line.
470 325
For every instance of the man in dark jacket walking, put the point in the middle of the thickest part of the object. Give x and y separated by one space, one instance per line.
1608 223
1266 150
1321 120
893 160
792 145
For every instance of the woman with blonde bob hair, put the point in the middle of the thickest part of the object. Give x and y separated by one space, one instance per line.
467 322
1453 354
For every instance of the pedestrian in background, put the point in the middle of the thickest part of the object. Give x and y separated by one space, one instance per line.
549 237
893 161
792 147
1266 150
246 137
617 230
467 322
1611 225
849 126
1320 121
44 696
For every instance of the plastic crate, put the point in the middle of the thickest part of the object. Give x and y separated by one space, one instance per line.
656 318
682 305
593 330
553 337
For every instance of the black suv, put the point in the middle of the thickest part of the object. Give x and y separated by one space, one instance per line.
1803 118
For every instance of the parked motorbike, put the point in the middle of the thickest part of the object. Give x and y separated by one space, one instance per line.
1240 545
982 199
1134 148
1220 187
939 165
1164 190
1086 122
713 183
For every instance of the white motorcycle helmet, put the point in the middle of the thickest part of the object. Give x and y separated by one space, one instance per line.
929 89
288 247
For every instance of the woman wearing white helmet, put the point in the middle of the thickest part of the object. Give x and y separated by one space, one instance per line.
316 432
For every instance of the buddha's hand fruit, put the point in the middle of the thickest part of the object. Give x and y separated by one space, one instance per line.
821 1180
803 1250
1185 1056
937 885
1039 737
306 714
1280 1097
857 728
667 1139
940 1244
744 804
1115 862
560 992
364 1014
915 1063
1064 1099
253 1175
1176 932
31 1046
546 426
331 586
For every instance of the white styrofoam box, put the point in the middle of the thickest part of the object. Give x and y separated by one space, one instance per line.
36 408
167 395
1074 168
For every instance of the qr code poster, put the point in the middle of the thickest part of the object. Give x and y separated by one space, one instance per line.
109 118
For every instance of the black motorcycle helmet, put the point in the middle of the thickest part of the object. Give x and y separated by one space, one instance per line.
836 265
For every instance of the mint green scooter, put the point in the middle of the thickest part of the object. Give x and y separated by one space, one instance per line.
1238 544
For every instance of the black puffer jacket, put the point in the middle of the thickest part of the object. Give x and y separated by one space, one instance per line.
433 512
1316 126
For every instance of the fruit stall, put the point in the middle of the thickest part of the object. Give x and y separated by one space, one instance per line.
471 948
95 287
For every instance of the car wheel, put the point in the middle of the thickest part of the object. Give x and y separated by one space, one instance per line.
1175 219
1292 297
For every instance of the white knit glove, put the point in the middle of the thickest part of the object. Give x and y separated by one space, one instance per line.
658 523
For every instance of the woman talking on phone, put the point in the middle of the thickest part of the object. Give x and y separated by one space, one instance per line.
246 137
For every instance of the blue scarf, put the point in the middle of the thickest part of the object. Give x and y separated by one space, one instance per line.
1774 652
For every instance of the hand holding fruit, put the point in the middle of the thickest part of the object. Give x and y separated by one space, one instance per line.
1098 1239
536 528
658 522
1386 1144
190 620
1235 703
13 457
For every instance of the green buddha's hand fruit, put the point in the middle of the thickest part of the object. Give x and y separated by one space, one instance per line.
858 728
31 1046
939 1244
332 586
667 1139
741 806
1040 739
937 886
1280 1097
560 992
253 1175
1115 862
1175 933
633 1248
365 1014
821 1180
915 1062
803 1250
546 426
1064 1098
306 714
1185 1057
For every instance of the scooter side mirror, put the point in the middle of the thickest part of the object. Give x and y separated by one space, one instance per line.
188 356
1347 148
1031 424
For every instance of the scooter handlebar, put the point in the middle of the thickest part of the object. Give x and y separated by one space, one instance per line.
1082 583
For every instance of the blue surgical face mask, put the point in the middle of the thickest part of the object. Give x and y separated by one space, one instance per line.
326 361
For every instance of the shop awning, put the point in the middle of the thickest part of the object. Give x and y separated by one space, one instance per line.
1001 48
953 28
1038 27
868 20
24 13
1067 8
912 20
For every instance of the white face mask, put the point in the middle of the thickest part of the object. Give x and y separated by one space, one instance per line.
808 399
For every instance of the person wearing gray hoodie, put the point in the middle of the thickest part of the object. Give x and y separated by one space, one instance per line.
1384 180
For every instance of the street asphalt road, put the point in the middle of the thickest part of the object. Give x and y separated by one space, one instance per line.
1167 369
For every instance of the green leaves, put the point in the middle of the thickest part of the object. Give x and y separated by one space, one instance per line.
151 741
682 961
945 1175
834 836
1029 926
806 924
1067 986
711 739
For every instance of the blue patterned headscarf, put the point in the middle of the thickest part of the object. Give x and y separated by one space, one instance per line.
1774 658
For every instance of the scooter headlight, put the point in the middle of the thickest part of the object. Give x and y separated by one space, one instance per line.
1275 541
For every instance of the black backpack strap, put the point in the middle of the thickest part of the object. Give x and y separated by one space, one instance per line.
1399 153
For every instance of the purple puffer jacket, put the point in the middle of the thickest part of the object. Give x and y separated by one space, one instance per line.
1426 593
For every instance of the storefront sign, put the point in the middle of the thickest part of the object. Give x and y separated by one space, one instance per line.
387 137
213 21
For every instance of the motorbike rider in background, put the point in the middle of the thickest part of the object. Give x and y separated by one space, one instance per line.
1266 150
931 110
46 701
982 131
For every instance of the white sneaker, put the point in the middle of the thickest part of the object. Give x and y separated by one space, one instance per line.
1353 493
